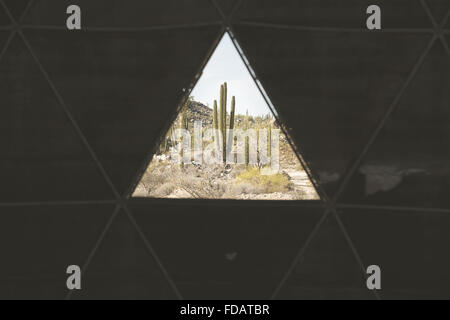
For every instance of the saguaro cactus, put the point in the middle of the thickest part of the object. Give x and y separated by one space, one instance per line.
220 118
184 116
223 117
230 139
233 105
215 119
247 146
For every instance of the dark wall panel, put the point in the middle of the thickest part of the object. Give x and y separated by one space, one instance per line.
439 8
224 251
411 249
39 243
16 7
333 13
227 6
118 13
123 87
328 269
123 268
4 19
42 156
409 163
3 37
330 88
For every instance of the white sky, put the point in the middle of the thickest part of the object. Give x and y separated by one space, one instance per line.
226 65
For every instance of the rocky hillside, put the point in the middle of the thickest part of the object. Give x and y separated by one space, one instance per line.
197 111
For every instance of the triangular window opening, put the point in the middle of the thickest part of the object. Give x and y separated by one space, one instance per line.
253 162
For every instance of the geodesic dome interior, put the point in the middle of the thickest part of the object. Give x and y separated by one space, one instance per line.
82 111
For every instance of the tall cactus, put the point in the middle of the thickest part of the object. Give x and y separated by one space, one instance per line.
215 118
216 125
184 116
168 137
223 117
233 107
247 146
220 118
269 144
230 139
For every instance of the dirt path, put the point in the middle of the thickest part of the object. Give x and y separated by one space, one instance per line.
301 181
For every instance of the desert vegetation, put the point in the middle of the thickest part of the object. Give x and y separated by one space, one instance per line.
251 176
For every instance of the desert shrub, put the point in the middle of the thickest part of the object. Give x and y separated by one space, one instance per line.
264 183
235 190
163 190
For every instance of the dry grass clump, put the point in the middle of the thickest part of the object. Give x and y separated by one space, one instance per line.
163 179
